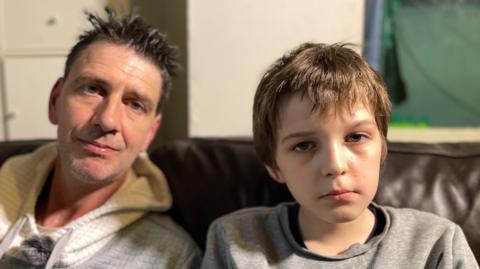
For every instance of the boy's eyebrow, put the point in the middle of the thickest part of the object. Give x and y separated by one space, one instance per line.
354 124
363 122
297 134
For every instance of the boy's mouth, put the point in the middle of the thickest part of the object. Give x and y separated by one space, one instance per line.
338 195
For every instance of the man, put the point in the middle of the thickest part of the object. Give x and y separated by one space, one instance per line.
91 200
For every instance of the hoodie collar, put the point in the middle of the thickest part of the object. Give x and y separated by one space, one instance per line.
144 190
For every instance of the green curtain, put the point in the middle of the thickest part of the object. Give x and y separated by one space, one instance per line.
431 55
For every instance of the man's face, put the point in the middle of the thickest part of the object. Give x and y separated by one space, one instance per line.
330 162
105 111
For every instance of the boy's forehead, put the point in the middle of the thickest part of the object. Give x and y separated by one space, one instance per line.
297 108
301 103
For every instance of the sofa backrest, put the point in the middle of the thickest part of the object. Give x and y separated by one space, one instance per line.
212 177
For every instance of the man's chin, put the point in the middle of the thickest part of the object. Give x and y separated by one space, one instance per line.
91 170
94 174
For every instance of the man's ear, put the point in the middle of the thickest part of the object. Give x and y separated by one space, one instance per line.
275 174
157 122
52 102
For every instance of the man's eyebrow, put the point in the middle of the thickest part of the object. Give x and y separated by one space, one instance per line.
297 135
89 79
96 80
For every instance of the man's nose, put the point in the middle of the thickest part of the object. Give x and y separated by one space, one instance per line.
107 115
333 161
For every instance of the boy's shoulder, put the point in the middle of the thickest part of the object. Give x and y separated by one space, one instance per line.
417 217
259 213
252 233
427 235
407 223
254 220
277 216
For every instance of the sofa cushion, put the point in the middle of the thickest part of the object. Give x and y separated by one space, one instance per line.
211 177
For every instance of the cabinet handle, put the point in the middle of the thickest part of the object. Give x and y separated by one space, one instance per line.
52 21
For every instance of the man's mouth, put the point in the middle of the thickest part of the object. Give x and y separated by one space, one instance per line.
98 148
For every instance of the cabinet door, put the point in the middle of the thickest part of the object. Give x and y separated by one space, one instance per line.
45 26
28 81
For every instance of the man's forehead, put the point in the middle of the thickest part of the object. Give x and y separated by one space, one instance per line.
112 65
112 56
105 48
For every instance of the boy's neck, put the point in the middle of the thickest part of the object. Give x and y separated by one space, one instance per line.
332 239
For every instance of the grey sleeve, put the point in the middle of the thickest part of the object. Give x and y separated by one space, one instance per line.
217 253
193 260
461 254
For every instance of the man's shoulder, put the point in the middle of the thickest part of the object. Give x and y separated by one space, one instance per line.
154 240
21 174
42 154
159 229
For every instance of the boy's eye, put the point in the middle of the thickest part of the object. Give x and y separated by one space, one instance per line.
355 138
303 146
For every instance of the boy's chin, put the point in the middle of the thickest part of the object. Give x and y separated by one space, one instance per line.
347 215
344 218
341 215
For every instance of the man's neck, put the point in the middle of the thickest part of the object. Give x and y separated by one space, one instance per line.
63 201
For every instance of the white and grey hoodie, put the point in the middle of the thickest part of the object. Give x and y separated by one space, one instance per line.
145 190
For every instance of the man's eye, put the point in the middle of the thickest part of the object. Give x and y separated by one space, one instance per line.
355 138
135 105
303 146
91 89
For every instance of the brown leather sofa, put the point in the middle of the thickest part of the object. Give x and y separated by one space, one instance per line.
212 177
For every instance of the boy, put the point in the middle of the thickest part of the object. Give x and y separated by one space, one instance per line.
320 122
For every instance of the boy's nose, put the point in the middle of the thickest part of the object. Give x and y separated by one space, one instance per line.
107 116
333 161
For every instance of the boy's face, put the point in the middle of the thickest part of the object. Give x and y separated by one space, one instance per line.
330 162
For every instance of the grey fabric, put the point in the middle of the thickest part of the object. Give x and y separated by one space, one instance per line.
261 238
128 236
10 236
57 250
153 241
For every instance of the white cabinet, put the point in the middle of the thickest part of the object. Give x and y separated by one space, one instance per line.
46 25
35 37
29 81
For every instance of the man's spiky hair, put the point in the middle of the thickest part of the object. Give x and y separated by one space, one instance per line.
133 32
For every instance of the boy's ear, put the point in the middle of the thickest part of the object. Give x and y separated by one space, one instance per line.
275 174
